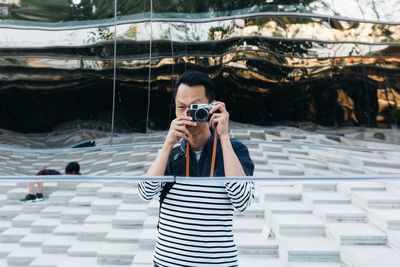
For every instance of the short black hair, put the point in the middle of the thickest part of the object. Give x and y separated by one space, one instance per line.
192 78
72 168
48 172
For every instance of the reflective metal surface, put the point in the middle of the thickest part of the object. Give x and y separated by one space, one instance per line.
332 63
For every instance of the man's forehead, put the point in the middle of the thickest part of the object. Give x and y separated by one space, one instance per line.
185 93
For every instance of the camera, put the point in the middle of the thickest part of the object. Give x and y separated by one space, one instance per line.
200 112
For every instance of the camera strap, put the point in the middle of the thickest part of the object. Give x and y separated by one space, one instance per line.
213 156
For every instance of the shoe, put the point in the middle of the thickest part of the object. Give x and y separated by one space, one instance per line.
29 198
39 197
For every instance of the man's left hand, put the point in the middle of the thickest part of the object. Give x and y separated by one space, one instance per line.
221 117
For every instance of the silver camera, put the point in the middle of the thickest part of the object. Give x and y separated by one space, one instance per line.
200 112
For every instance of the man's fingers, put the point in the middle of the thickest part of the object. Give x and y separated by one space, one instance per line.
219 106
183 129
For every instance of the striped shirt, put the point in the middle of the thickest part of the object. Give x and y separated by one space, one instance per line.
195 224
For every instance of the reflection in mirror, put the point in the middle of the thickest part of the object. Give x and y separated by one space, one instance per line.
271 68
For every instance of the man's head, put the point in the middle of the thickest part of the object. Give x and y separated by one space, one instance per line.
193 87
72 168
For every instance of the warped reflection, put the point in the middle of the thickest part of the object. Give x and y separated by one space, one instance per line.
286 62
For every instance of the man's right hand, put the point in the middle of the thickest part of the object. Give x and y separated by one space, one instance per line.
178 129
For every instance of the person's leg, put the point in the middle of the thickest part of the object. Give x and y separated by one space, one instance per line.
31 188
40 187
30 197
39 194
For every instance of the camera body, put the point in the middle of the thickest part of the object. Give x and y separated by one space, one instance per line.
200 112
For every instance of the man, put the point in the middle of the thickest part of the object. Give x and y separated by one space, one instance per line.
72 168
195 222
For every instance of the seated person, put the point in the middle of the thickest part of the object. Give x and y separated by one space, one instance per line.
31 196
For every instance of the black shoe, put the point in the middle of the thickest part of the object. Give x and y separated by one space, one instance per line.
39 197
28 198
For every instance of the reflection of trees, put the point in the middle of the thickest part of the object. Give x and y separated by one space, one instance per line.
64 10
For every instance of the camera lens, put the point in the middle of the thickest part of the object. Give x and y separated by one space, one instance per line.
201 115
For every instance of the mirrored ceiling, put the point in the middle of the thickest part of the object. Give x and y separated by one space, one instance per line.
110 66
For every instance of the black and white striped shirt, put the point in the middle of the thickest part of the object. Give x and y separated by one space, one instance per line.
195 224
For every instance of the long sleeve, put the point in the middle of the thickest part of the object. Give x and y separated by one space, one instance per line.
242 193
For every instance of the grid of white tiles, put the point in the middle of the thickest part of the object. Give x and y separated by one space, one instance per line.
291 224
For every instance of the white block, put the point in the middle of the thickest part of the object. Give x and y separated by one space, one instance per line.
58 244
117 254
370 256
308 249
355 234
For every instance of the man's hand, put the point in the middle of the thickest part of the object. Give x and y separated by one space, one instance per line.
178 129
221 117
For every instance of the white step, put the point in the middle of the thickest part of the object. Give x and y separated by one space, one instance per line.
319 186
79 262
34 240
84 249
281 194
35 207
93 232
393 186
296 225
105 206
248 225
351 187
7 248
8 212
314 264
151 222
48 260
61 197
387 219
88 188
117 254
58 244
24 220
111 192
16 194
287 207
127 207
98 219
308 249
66 229
143 258
260 260
76 215
340 213
355 234
13 235
23 256
44 225
370 256
53 211
6 186
154 205
82 201
126 220
147 238
377 199
325 198
5 224
255 244
394 238
123 235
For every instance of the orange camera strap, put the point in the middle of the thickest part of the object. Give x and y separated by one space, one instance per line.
213 156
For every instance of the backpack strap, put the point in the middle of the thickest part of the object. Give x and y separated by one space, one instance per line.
164 192
167 187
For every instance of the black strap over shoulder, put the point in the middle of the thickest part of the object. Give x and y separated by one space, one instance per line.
168 185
